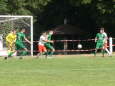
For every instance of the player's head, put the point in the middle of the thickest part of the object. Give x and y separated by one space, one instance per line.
44 33
23 30
101 31
102 28
14 31
51 32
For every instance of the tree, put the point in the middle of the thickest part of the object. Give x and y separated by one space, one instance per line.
50 13
3 7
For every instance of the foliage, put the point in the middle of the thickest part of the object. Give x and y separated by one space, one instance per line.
51 13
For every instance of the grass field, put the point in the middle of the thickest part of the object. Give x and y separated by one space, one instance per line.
59 71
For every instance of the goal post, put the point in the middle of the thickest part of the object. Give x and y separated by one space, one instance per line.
32 36
110 45
9 22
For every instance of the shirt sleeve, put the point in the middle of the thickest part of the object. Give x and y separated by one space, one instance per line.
23 36
96 35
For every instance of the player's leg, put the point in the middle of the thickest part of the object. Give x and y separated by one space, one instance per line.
108 51
9 50
42 50
97 47
102 49
105 47
39 50
18 49
50 48
12 48
46 45
24 50
45 51
21 49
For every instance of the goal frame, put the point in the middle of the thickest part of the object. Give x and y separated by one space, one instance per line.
31 28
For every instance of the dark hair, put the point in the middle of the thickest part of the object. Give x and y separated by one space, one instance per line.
22 29
43 33
102 28
13 30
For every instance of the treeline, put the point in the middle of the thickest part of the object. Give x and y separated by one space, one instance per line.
87 14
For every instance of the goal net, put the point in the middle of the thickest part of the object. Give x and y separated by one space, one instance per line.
8 23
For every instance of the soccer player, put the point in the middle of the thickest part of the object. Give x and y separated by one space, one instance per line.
20 45
41 47
10 42
105 41
99 39
48 45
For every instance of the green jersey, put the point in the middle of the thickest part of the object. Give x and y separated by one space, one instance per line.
20 37
100 37
48 44
49 37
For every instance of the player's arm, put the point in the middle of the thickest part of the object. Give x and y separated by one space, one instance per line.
96 38
48 41
27 40
45 40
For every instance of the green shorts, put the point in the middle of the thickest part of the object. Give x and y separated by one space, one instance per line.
19 46
99 45
49 46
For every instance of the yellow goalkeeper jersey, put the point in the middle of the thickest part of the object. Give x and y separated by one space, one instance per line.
11 38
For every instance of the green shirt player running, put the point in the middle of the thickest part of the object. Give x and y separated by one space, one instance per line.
20 47
99 39
48 45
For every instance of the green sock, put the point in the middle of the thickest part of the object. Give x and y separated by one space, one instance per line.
45 53
95 53
48 53
24 53
51 53
10 54
103 52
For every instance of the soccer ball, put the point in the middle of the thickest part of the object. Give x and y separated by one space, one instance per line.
79 46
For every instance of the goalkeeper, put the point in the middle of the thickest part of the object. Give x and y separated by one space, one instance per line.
20 45
10 42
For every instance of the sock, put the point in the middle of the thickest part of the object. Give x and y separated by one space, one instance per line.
46 53
10 54
103 51
51 53
95 52
24 53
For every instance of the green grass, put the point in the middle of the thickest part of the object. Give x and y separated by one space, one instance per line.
70 71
